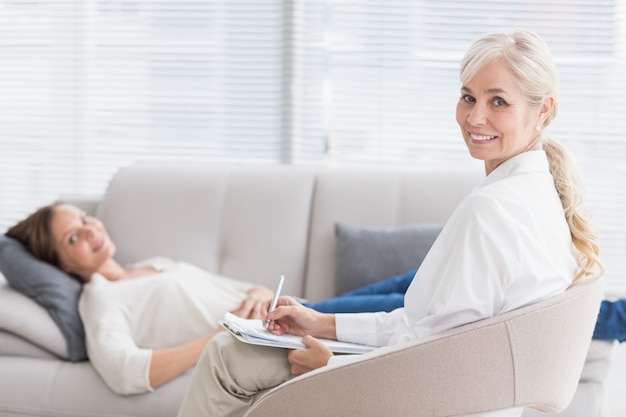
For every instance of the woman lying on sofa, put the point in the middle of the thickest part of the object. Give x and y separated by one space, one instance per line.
144 324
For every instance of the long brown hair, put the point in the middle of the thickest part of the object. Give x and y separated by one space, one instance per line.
35 233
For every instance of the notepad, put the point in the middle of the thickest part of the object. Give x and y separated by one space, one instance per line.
253 332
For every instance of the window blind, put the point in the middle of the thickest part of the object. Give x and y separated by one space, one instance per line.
88 86
387 85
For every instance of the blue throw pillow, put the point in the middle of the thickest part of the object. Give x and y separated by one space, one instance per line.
369 254
50 287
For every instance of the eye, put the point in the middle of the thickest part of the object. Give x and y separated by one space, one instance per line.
72 239
468 98
87 219
499 102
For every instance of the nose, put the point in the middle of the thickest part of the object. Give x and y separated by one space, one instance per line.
88 232
477 115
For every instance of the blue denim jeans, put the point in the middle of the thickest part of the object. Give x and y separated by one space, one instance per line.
388 294
611 323
385 295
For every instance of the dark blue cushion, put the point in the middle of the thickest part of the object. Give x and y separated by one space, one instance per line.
369 254
50 287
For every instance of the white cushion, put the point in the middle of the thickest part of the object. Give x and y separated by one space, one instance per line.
13 345
23 317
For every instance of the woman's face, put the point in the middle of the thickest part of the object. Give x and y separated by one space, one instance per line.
82 242
495 118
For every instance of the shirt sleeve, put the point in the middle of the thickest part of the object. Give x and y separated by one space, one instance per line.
462 279
123 365
112 351
467 275
374 329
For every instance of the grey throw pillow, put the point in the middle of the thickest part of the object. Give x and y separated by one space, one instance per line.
50 287
367 254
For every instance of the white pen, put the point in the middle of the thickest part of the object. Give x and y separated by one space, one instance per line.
279 287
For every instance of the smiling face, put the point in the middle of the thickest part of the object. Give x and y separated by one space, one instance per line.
495 118
82 242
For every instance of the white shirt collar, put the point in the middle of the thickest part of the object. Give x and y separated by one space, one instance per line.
525 163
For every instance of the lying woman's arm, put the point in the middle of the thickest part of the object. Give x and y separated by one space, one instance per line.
168 363
129 369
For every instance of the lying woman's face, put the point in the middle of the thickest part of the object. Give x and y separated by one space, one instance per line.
82 242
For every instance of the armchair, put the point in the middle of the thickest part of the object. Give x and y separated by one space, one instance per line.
529 357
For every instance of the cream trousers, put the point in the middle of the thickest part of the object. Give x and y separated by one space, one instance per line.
230 375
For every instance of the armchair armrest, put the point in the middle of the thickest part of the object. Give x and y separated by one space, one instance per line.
529 357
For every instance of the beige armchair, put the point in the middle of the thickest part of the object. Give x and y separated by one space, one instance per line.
530 357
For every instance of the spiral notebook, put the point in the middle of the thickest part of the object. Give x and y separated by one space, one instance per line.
253 332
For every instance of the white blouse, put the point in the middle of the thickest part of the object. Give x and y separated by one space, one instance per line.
505 246
124 320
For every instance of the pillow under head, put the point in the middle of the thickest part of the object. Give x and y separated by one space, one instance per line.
50 287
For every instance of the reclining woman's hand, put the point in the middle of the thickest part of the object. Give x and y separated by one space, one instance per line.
252 306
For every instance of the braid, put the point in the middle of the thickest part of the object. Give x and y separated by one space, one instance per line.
569 186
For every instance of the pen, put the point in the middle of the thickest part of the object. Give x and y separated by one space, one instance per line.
275 298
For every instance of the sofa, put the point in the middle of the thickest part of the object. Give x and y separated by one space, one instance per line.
326 229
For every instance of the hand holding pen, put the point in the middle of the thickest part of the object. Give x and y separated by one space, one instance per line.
290 316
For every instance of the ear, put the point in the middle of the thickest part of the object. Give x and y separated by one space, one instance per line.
546 109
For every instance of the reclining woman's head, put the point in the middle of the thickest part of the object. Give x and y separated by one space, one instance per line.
63 235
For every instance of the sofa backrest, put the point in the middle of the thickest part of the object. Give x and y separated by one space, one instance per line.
245 223
256 223
375 198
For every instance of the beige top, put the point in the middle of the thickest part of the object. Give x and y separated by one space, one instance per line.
124 320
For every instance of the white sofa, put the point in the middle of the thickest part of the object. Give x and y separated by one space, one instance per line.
251 223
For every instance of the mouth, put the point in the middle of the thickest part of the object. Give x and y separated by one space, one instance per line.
481 138
98 244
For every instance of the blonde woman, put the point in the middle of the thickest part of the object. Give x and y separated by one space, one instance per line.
520 237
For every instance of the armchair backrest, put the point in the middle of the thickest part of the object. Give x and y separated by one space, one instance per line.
529 357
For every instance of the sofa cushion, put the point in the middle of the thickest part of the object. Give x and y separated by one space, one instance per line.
24 318
369 254
14 345
49 287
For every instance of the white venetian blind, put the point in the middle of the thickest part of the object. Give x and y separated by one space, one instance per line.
87 86
377 84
